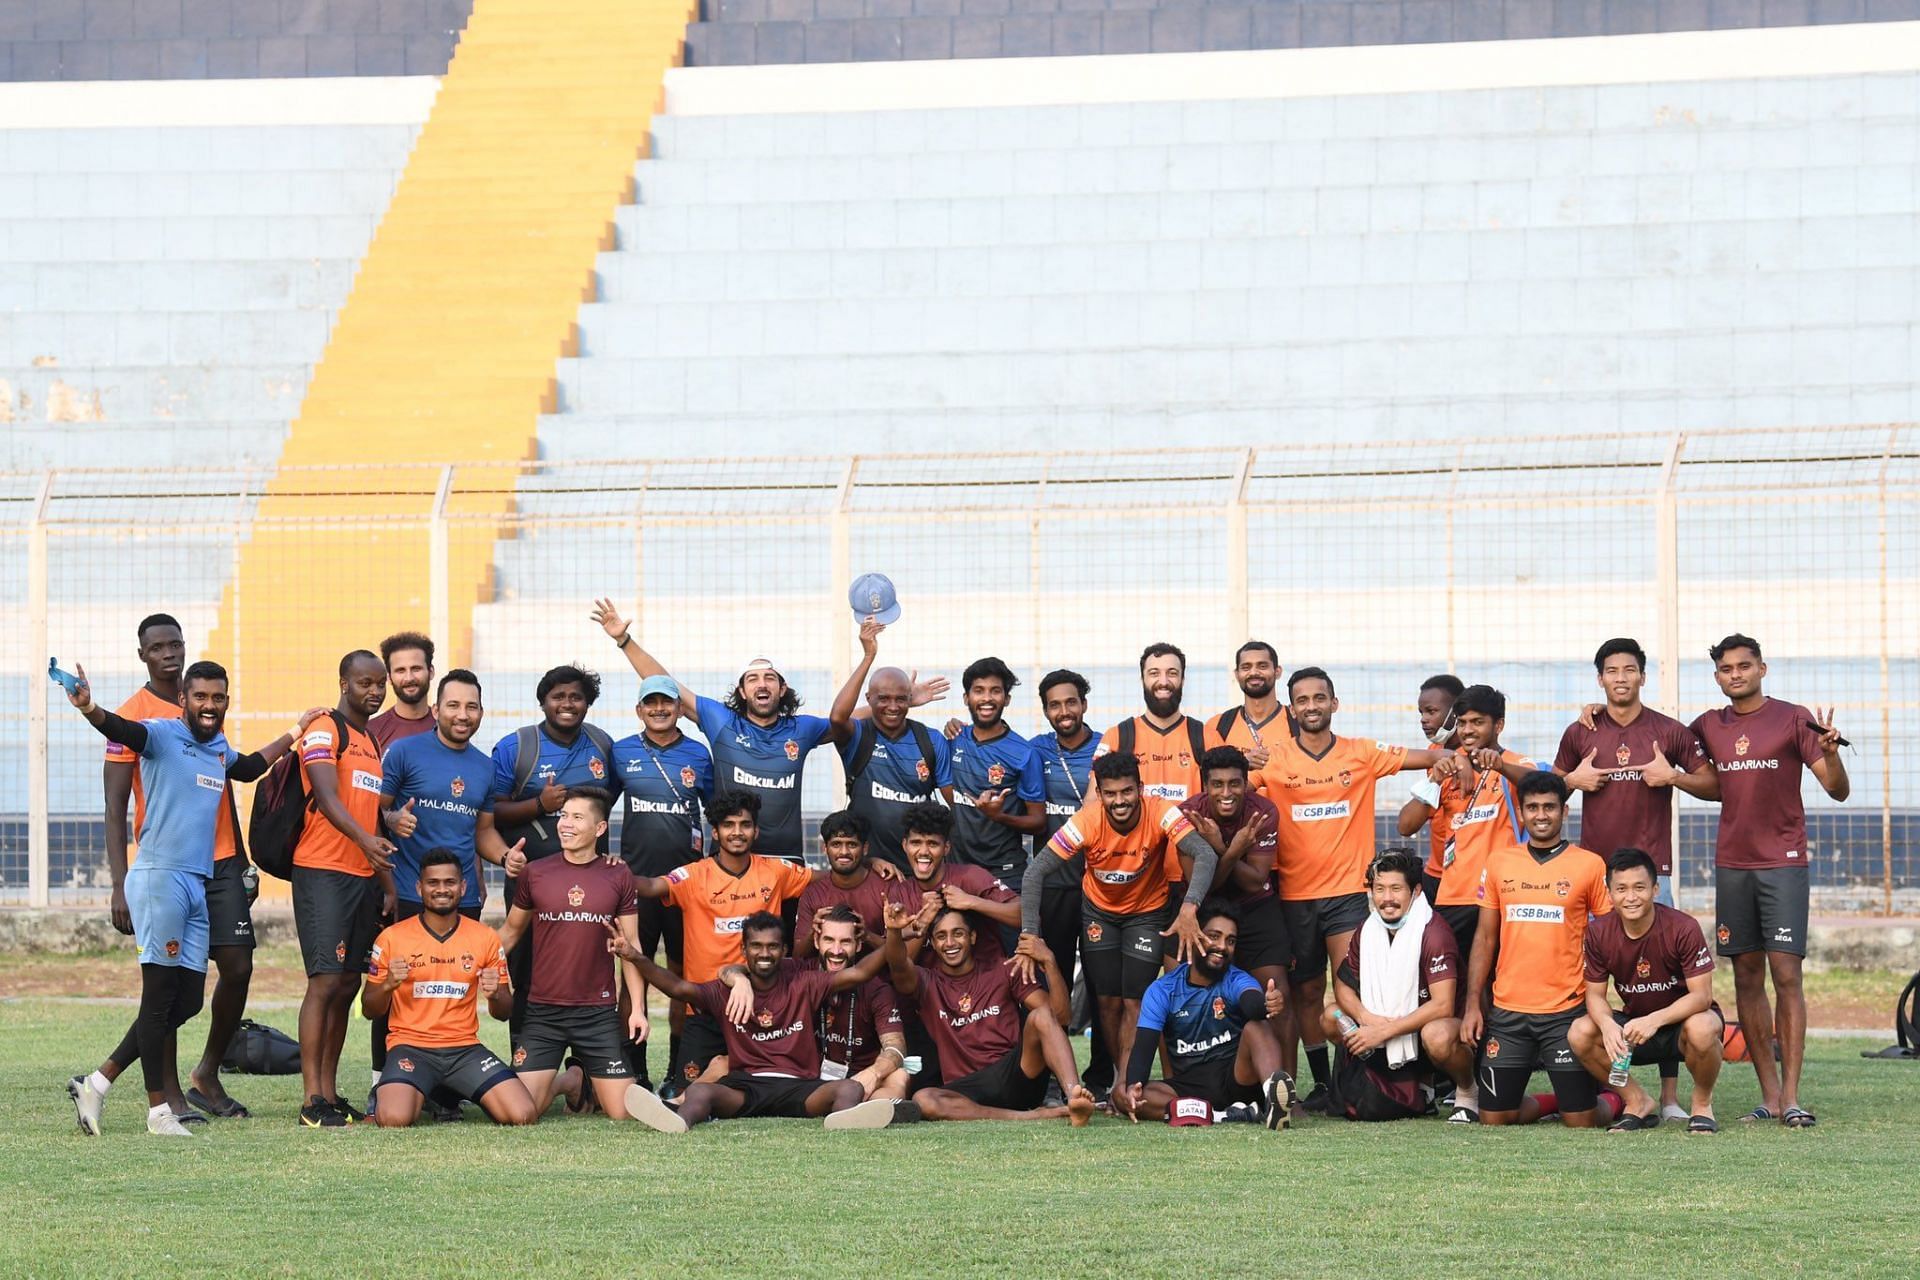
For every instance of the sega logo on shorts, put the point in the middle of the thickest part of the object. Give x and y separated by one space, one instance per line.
439 989
364 781
1534 913
1321 812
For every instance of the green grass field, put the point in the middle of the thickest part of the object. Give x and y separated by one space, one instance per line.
584 1197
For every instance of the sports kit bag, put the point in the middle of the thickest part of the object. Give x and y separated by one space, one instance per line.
1363 1092
260 1050
280 805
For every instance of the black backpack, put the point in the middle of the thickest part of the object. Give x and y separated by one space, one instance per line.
1363 1092
280 805
260 1050
526 758
863 754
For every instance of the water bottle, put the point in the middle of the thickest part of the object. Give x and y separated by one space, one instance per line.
1347 1027
1618 1076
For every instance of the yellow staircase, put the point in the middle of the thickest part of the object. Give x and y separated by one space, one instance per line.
445 350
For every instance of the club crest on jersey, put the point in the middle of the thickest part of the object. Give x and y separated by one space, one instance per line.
576 896
966 1002
792 749
1219 1007
595 768
996 774
173 947
457 788
1094 932
466 962
1493 1048
1186 760
340 951
1740 745
1724 934
764 1017
1346 777
1621 754
1643 969
1562 887
406 1064
520 1056
921 771
687 776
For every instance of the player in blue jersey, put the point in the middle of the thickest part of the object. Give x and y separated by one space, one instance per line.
666 779
434 787
1211 1020
1066 764
760 741
185 767
892 762
999 791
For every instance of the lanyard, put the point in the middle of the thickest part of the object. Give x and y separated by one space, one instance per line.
661 769
1446 857
1066 767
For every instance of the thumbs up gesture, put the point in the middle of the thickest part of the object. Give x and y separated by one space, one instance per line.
1276 999
1659 772
401 821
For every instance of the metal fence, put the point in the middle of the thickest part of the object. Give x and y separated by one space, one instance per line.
1505 561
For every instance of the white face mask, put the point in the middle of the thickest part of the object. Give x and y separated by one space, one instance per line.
1393 926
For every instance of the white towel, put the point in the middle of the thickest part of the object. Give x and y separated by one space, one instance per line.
1390 972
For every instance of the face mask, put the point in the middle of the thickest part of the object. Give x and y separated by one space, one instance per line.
1393 926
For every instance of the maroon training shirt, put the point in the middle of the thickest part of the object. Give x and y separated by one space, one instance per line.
1197 807
868 900
571 903
1626 813
974 1018
850 1023
389 727
1650 972
979 882
1439 957
777 1039
1759 757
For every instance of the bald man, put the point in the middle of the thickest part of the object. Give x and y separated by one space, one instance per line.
892 762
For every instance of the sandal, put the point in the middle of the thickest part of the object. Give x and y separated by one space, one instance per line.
1464 1115
1631 1123
1758 1113
227 1108
1798 1118
1702 1124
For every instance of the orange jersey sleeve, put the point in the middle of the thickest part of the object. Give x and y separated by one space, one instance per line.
356 766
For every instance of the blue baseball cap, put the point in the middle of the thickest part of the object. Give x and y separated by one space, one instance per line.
662 685
872 596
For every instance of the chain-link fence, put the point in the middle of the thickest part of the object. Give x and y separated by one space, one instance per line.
1505 561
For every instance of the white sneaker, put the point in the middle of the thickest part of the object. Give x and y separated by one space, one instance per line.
87 1102
1278 1094
166 1124
874 1113
646 1107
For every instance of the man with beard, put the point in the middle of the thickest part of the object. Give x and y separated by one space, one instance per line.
850 882
1256 669
666 777
533 767
1242 827
1322 788
862 1036
1066 769
998 791
1167 744
774 1065
996 1063
1209 1017
759 740
891 762
230 891
186 764
342 880
1128 839
433 789
408 656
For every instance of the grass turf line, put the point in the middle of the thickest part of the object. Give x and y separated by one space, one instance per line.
584 1197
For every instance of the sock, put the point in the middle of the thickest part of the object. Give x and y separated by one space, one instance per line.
159 1109
1317 1061
1467 1096
100 1083
1549 1105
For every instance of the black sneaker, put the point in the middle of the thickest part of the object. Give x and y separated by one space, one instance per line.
1056 1097
346 1112
319 1114
1243 1113
1319 1102
445 1113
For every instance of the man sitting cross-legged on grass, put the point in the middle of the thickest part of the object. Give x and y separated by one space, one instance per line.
1659 962
995 1063
1221 1055
766 1013
425 976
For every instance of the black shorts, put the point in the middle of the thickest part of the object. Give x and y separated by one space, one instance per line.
660 923
1264 940
1516 1044
337 917
469 1070
1213 1080
1002 1084
771 1095
1664 1045
229 914
1464 919
701 1042
1121 954
1763 909
1311 921
593 1032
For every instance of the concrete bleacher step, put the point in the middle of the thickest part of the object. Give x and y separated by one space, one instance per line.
211 238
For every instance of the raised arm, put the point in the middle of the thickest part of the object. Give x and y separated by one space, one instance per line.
1830 770
671 983
840 714
128 733
643 663
871 965
902 972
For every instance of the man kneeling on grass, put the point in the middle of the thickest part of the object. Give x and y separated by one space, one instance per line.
766 1013
995 1062
426 975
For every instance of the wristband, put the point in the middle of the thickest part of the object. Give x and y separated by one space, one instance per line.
624 639
295 730
1427 792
